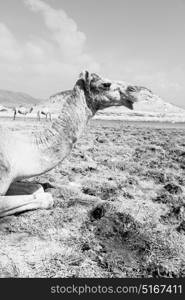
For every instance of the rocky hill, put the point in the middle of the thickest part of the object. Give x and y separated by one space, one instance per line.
10 99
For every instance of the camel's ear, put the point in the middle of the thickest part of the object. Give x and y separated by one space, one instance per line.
85 77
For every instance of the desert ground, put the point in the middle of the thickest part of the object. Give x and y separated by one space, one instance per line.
119 207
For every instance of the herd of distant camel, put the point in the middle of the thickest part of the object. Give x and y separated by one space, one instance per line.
25 111
25 153
22 110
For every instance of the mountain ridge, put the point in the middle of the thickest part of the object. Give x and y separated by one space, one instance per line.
11 98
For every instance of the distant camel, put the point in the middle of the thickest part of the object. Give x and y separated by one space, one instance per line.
2 108
44 111
27 153
21 110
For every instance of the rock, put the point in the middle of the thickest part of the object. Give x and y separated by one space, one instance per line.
172 188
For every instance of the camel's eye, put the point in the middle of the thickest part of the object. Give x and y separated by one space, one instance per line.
107 85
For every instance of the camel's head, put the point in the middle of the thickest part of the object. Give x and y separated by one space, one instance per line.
102 93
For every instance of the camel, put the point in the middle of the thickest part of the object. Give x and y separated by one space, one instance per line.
21 110
2 108
25 154
44 111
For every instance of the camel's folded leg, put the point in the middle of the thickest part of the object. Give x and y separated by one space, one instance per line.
15 202
10 205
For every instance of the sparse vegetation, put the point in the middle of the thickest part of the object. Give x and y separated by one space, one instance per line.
119 209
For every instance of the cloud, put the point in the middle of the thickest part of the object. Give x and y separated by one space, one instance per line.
9 49
64 30
39 66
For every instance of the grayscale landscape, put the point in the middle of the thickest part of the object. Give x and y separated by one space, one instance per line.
118 194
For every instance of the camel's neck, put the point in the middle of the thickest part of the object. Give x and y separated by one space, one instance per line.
63 132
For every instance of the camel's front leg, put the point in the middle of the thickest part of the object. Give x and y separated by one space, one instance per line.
38 115
32 199
14 115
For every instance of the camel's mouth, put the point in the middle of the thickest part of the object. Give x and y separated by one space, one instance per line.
127 103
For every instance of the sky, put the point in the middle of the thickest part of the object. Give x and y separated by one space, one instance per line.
45 44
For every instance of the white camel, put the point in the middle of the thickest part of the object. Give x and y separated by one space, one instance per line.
28 154
44 111
21 110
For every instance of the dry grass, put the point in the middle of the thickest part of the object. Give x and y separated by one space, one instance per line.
119 210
